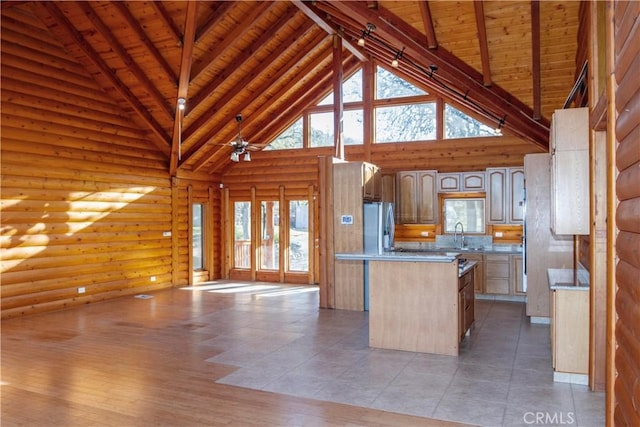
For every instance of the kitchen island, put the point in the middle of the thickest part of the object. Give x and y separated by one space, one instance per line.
415 300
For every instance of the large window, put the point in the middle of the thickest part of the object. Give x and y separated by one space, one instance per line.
292 137
413 122
321 125
466 212
242 234
197 237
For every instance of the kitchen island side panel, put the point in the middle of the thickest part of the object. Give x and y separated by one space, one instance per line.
413 306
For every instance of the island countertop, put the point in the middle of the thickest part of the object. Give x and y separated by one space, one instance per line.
435 256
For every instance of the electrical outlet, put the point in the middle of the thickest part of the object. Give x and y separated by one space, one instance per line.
81 290
166 234
498 234
152 278
424 234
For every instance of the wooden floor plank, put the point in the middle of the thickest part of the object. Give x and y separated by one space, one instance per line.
129 362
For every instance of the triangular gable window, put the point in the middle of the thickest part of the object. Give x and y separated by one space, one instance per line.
289 139
351 90
460 125
388 85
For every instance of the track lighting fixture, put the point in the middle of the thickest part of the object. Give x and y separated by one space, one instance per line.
498 130
366 33
395 63
182 103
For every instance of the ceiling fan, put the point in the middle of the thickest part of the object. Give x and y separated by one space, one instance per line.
240 146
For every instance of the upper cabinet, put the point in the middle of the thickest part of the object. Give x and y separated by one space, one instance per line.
505 195
569 144
417 197
371 183
465 181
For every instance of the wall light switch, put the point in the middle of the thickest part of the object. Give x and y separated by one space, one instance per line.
498 234
152 278
81 290
166 234
424 234
346 219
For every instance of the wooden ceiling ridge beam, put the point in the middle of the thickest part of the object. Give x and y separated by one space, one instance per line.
214 19
174 31
121 7
329 27
478 8
239 60
535 60
189 39
427 20
229 39
519 116
130 64
301 55
63 23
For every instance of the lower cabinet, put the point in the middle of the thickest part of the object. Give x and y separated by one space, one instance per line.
479 271
496 280
466 302
570 333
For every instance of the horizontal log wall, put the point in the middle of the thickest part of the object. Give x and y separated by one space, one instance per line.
627 130
85 193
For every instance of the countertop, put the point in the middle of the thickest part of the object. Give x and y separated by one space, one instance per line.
431 256
496 248
466 267
563 278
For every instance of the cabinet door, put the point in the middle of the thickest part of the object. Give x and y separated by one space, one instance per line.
472 181
516 195
497 274
479 271
389 188
427 197
448 182
496 196
407 196
570 192
369 182
516 275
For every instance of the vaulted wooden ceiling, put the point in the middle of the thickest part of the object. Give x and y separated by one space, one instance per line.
270 60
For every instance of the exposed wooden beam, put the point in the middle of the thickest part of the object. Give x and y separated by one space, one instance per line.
135 26
535 59
183 82
478 7
230 38
174 31
196 148
282 92
458 75
130 65
427 20
163 139
338 106
330 28
214 19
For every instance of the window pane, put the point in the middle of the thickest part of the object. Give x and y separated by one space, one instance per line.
415 122
388 85
321 130
197 238
352 128
270 238
298 235
459 125
351 90
290 138
468 212
242 235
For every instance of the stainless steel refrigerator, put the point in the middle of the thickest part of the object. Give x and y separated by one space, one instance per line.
379 232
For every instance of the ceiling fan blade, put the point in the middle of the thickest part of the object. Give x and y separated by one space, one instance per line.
252 148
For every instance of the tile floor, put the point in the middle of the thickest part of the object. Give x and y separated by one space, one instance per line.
281 342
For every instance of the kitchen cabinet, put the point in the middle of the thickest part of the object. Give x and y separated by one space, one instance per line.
389 188
505 195
569 146
517 278
497 274
465 181
417 197
479 271
466 302
371 183
569 331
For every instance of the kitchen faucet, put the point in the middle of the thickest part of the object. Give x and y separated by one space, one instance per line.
455 235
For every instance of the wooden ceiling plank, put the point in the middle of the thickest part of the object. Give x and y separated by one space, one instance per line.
186 61
214 19
535 59
478 7
163 140
329 27
130 65
174 31
269 83
499 102
427 20
142 36
247 54
229 40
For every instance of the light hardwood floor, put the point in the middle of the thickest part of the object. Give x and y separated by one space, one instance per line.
143 362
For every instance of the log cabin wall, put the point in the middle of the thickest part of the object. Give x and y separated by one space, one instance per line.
86 196
626 32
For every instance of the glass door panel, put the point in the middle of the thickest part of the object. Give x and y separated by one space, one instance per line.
298 235
270 235
242 234
197 237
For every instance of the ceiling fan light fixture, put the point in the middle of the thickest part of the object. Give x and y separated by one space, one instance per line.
247 156
182 103
235 157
